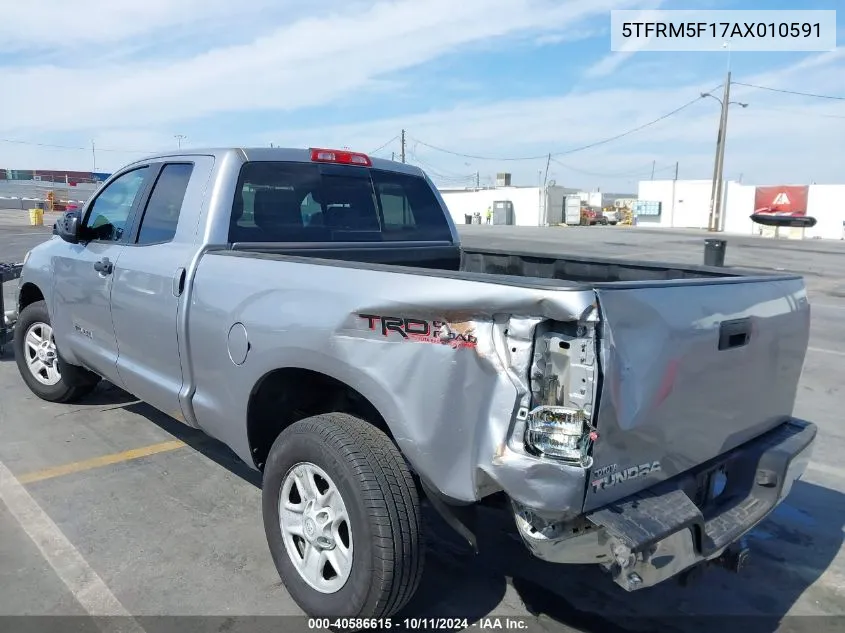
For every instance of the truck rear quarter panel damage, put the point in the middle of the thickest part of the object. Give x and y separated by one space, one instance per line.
430 353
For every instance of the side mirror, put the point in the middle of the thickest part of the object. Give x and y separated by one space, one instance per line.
68 227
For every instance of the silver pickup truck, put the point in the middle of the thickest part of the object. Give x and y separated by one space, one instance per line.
314 311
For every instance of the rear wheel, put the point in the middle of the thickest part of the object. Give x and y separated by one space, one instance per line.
342 518
43 370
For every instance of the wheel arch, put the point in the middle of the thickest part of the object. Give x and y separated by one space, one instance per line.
28 294
284 395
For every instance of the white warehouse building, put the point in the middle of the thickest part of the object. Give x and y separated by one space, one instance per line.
682 204
686 204
532 206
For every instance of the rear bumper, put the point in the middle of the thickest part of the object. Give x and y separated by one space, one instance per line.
653 535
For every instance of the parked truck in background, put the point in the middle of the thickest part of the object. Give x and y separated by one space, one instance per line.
314 311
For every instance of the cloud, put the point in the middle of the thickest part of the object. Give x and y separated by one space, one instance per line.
308 62
778 138
572 35
130 82
611 62
59 24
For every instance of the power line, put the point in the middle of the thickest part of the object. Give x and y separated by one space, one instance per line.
73 147
569 151
639 170
441 173
631 131
381 147
800 112
789 92
16 142
447 151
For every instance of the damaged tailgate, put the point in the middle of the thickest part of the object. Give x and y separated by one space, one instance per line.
690 371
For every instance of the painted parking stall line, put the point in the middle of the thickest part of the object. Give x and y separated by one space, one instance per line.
99 462
89 590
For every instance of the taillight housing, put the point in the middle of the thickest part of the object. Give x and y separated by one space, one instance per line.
343 157
560 432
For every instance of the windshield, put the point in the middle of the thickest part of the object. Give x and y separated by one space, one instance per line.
310 202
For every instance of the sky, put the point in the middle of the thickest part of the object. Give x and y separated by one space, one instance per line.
488 81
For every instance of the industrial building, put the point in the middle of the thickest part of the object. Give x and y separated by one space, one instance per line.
540 205
663 203
686 204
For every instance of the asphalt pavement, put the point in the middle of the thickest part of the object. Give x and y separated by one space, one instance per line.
117 506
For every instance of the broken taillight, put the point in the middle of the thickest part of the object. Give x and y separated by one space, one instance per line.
561 432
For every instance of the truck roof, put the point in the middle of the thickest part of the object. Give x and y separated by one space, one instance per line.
286 154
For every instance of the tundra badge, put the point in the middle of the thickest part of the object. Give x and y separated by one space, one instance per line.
608 476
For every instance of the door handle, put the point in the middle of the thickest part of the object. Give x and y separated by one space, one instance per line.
179 282
104 266
735 333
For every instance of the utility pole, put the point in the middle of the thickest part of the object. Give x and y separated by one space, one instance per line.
392 155
674 195
653 165
179 138
546 177
93 156
403 146
477 181
544 199
717 213
716 189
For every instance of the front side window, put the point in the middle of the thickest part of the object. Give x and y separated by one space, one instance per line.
162 213
305 202
109 212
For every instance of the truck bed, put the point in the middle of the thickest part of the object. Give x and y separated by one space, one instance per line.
449 257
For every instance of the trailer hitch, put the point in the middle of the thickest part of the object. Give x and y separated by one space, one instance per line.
736 557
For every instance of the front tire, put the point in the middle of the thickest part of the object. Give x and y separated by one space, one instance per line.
41 366
342 518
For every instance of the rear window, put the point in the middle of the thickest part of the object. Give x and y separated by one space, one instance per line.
311 202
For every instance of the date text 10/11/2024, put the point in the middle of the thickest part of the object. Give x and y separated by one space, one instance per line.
492 623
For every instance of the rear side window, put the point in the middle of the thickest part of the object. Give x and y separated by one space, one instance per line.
162 213
305 202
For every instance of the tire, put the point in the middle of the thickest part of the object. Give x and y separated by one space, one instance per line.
56 380
380 500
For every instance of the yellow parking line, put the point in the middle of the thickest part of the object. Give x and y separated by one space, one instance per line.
96 462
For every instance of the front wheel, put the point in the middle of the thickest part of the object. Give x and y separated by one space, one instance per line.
342 518
43 370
